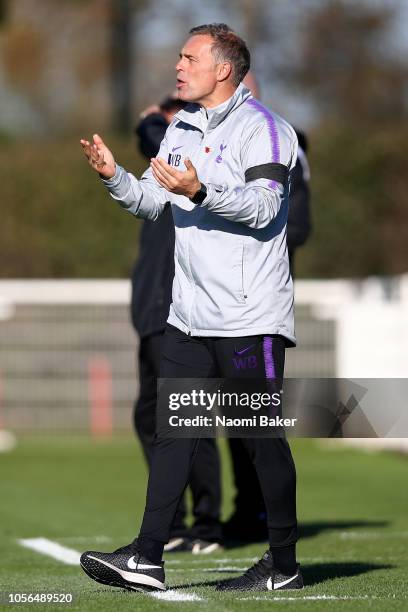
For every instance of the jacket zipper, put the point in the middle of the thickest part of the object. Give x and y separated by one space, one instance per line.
242 272
188 253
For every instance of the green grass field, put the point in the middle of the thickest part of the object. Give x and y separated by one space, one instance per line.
81 493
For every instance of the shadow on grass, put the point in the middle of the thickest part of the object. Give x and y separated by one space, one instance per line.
320 572
311 529
312 574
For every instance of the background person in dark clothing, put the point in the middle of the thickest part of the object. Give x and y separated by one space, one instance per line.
152 280
299 219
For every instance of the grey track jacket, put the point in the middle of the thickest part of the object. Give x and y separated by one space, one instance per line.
231 263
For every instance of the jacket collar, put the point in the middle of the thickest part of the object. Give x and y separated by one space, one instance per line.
208 119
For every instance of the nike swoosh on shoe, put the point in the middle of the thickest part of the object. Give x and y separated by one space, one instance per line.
133 565
279 585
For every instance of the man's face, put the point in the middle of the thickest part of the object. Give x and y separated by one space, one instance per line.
196 69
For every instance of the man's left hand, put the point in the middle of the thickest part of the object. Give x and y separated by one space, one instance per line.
183 183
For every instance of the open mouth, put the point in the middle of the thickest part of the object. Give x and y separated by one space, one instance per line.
180 83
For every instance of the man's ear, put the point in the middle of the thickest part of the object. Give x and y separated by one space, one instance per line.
224 70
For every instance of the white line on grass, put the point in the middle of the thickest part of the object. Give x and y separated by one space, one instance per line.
247 561
204 558
176 596
371 535
273 598
207 569
52 549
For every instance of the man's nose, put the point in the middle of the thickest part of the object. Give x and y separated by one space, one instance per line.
179 65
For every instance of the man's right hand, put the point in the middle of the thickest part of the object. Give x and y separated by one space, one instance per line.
99 156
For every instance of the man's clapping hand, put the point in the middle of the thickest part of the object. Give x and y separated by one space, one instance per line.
183 183
99 156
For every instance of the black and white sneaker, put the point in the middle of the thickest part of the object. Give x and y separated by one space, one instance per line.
203 547
178 545
124 568
263 576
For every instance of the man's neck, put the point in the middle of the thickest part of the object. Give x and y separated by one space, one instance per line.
217 98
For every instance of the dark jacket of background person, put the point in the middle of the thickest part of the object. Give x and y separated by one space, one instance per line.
153 273
299 218
152 276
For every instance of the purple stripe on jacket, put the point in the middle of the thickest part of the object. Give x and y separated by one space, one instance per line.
273 132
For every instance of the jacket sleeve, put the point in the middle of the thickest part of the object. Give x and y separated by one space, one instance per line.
258 202
143 198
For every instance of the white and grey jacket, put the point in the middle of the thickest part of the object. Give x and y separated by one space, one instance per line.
231 263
